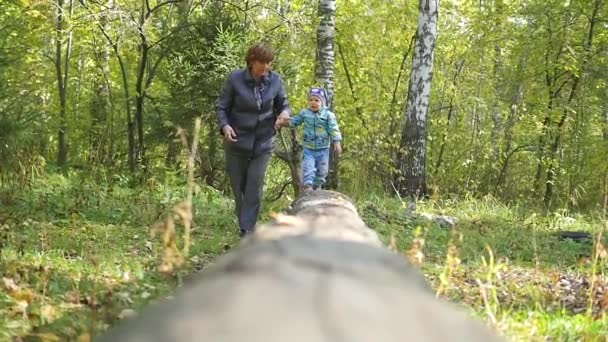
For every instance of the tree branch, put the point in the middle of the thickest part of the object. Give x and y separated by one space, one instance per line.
157 7
351 86
285 185
559 89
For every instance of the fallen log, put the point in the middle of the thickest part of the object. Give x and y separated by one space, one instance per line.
317 273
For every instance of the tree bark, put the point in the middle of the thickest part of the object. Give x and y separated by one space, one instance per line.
513 117
497 116
325 61
324 72
411 157
139 84
606 125
553 91
330 279
100 105
606 116
62 72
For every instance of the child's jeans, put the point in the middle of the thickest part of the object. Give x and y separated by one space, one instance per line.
315 166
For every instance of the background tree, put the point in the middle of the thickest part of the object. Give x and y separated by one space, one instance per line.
411 158
499 118
324 70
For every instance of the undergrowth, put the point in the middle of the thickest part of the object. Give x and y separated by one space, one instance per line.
506 265
77 255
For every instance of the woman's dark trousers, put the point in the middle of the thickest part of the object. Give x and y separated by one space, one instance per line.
247 181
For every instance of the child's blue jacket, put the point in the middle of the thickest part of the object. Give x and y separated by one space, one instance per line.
320 128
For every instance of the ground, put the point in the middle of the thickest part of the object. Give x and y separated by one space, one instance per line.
77 255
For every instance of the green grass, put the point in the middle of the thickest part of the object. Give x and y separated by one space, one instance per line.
506 266
76 256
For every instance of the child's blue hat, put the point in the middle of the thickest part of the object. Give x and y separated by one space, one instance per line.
320 93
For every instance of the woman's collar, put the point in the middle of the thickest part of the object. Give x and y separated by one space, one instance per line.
263 79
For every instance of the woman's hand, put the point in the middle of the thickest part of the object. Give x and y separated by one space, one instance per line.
337 148
229 134
282 120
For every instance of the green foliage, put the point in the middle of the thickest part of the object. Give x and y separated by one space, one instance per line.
76 254
505 264
505 110
492 120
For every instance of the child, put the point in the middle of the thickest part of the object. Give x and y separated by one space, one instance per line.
320 128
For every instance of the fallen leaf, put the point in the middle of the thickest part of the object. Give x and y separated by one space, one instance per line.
25 295
72 297
393 244
86 337
47 337
603 302
9 284
21 307
48 313
127 313
91 301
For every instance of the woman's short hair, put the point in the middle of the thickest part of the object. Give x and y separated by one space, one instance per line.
261 52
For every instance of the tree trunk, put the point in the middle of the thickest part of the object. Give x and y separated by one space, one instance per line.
513 117
140 92
325 61
324 71
100 106
327 273
507 141
497 123
606 115
411 158
62 79
208 158
130 123
549 183
606 125
497 106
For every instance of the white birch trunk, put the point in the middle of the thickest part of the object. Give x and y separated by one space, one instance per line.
325 61
411 160
324 71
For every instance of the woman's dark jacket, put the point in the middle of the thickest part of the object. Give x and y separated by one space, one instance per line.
238 107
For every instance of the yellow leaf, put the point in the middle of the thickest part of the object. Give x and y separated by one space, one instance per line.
48 313
72 297
21 307
9 284
23 295
84 338
47 337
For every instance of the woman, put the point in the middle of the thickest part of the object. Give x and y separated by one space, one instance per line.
251 107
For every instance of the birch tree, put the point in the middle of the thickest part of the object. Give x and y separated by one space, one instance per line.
411 158
324 68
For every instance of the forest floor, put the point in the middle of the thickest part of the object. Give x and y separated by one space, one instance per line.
77 255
